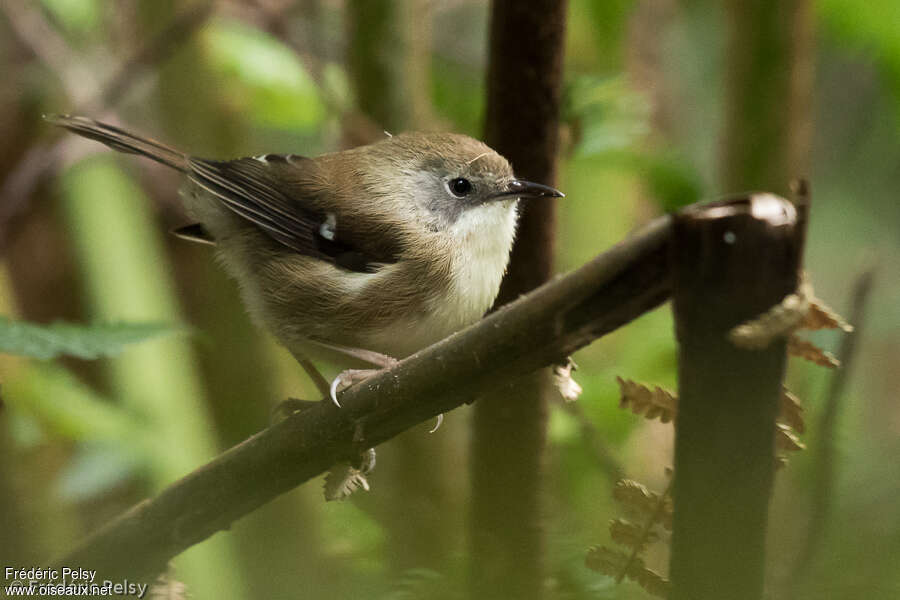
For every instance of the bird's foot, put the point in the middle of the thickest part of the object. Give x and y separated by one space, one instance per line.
351 377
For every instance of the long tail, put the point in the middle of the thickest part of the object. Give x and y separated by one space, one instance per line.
121 140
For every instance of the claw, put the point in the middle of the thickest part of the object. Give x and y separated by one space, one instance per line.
332 391
440 419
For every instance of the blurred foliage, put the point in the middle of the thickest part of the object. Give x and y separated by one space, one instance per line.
77 16
263 78
85 441
871 28
82 341
69 408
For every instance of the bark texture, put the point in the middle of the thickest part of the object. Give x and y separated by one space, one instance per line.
522 123
731 262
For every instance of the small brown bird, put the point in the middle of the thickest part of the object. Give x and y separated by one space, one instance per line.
357 256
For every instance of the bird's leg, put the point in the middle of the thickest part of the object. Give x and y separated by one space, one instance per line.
320 382
350 377
353 376
342 479
368 356
293 405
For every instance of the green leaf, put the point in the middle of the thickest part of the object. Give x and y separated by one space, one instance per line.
83 341
263 77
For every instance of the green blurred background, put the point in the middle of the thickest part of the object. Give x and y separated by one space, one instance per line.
84 239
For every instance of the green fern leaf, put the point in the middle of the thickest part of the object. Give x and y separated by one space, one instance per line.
83 341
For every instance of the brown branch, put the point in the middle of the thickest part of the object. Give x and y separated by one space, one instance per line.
731 261
533 332
27 22
159 48
19 185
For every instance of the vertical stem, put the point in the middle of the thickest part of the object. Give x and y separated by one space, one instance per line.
769 95
522 123
388 56
388 60
269 556
732 261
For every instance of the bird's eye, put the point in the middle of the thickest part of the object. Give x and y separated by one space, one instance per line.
460 187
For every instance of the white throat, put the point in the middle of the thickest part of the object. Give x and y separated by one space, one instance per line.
483 239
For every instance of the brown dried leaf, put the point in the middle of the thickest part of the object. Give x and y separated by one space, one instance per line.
615 563
657 403
626 533
606 560
790 411
786 439
776 322
805 349
637 498
342 480
821 316
567 387
652 582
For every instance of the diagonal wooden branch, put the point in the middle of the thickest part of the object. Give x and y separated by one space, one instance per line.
535 331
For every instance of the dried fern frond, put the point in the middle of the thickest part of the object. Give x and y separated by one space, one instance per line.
605 560
631 535
790 411
657 403
822 316
800 310
652 582
342 480
786 439
637 498
807 350
776 322
614 563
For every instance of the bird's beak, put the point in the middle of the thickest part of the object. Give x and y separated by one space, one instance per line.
527 189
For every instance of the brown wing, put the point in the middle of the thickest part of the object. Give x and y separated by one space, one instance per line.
257 190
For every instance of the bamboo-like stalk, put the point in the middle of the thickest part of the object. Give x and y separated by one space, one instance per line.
388 59
127 278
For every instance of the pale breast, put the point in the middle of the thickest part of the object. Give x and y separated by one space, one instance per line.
478 261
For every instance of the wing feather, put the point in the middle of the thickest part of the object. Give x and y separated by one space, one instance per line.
256 190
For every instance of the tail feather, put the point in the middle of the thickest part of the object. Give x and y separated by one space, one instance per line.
121 140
